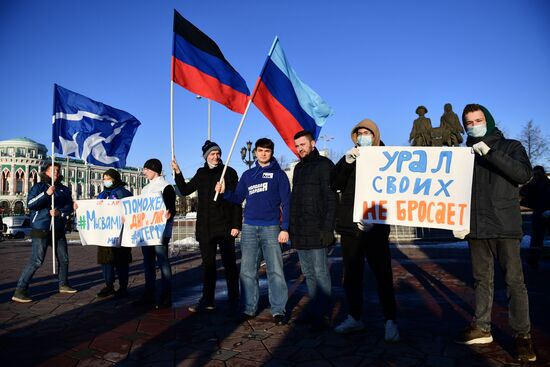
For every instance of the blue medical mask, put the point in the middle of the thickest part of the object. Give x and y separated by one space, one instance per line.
107 184
476 131
364 140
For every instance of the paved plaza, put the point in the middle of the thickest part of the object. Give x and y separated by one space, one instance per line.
434 295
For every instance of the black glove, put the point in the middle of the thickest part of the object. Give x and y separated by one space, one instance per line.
327 238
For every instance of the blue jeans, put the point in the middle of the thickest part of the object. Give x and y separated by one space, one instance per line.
314 265
255 241
39 246
507 253
161 254
109 274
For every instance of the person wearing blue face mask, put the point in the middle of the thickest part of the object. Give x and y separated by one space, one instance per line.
500 166
362 241
114 259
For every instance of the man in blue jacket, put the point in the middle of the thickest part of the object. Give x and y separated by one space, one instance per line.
266 189
39 202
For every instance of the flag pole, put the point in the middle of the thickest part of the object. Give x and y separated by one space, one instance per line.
252 95
52 173
172 74
233 144
172 120
209 119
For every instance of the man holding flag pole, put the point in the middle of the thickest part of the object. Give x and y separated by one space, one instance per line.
46 214
92 131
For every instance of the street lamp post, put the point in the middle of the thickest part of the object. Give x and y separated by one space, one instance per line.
251 154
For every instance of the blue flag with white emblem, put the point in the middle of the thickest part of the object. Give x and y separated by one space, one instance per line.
90 130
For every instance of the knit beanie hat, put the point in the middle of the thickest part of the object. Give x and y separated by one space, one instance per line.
208 147
154 165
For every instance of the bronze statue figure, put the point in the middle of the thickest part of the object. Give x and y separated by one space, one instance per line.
422 128
452 126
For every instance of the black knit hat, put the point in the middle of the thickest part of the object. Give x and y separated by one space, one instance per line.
154 165
113 173
208 147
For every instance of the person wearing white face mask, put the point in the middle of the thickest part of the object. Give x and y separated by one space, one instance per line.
360 241
500 166
114 259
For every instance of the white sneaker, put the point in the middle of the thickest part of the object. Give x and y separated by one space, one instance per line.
349 325
392 334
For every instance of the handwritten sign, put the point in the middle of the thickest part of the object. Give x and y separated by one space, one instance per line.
99 222
144 220
413 186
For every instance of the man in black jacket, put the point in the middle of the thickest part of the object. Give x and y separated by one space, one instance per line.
218 224
495 228
312 211
360 241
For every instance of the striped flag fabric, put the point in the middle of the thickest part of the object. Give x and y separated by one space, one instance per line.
286 101
199 66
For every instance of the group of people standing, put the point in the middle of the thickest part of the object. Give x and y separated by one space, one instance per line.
321 201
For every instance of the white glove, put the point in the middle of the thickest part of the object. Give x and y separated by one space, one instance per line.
481 148
461 233
365 227
351 155
546 214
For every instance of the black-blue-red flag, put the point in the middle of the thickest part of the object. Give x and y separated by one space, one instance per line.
199 66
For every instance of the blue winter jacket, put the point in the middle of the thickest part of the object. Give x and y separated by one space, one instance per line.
39 203
267 193
119 192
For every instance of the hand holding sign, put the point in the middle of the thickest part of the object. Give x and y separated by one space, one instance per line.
481 148
352 154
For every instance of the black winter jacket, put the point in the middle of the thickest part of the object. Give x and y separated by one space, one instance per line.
214 218
343 180
313 203
495 196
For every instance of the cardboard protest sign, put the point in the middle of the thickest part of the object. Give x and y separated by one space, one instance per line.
99 222
414 186
144 220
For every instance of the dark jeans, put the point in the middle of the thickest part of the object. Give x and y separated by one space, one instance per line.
375 248
121 272
39 246
149 265
314 265
209 269
506 251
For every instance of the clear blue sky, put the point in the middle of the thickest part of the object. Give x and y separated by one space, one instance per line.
377 59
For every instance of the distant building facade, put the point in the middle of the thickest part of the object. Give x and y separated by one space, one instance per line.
21 162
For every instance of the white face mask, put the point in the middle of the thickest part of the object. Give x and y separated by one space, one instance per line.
107 184
364 140
477 131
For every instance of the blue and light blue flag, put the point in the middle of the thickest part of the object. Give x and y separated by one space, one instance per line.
90 130
286 101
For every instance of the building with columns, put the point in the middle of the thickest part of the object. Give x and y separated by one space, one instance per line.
21 162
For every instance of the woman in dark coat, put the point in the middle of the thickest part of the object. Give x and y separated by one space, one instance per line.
114 258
